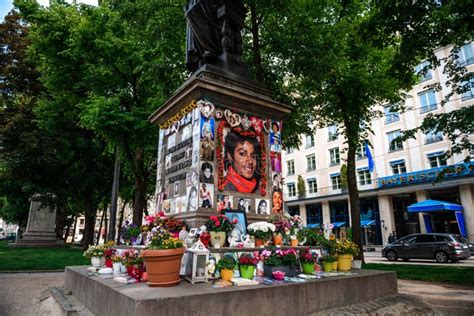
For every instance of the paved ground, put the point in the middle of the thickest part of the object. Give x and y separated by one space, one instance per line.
27 294
376 257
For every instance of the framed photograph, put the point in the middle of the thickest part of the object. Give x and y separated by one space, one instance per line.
206 195
243 205
262 206
239 230
224 202
176 188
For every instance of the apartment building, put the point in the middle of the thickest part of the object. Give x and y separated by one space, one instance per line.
403 174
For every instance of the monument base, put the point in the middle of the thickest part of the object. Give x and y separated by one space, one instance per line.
106 297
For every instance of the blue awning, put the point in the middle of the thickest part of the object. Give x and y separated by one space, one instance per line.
338 224
312 225
367 222
433 206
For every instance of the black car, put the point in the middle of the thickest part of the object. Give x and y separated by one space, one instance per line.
441 247
469 244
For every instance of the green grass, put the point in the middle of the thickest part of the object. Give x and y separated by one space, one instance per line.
442 274
23 259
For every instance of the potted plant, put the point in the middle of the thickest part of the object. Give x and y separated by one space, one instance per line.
218 226
247 263
163 257
134 263
308 261
226 267
296 225
310 236
345 250
282 226
279 260
108 254
96 254
116 263
130 233
262 231
327 262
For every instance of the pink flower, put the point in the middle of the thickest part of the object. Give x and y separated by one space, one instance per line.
235 221
217 223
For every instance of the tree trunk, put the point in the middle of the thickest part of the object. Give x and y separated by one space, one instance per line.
352 187
139 199
119 224
100 228
60 220
74 229
90 211
68 229
256 47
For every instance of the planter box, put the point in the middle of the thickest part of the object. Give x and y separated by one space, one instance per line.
268 270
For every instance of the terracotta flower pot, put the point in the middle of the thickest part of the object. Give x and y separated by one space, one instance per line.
217 239
163 266
259 242
294 242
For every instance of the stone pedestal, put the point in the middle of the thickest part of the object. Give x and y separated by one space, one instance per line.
212 110
40 230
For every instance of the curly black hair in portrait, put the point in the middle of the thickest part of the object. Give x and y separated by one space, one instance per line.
232 139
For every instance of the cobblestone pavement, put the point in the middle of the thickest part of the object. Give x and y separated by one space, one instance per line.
28 294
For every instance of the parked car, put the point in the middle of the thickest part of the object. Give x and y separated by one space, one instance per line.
469 244
441 247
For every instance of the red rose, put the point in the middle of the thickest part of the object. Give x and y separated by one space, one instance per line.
217 224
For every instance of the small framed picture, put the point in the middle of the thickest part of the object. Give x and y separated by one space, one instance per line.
239 224
176 188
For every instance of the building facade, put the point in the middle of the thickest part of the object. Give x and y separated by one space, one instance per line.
403 174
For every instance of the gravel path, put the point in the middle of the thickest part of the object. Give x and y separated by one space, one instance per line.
28 294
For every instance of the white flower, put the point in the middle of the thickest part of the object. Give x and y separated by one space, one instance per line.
261 226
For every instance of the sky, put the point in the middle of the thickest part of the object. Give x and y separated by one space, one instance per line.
7 5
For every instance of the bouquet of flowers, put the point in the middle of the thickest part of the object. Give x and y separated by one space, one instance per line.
247 259
130 231
296 224
346 247
219 223
131 257
282 223
109 253
306 256
160 238
280 257
261 230
116 258
95 251
173 226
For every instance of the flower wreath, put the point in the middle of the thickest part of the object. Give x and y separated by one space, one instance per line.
263 159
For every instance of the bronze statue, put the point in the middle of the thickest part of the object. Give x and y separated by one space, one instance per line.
213 34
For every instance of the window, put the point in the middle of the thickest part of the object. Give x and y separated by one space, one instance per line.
469 85
332 133
334 157
336 181
311 162
394 144
291 189
391 115
360 153
309 141
432 137
426 238
290 150
312 186
437 159
423 70
291 167
428 101
465 55
364 176
398 167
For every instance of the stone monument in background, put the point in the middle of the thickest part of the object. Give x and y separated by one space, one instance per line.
40 230
220 133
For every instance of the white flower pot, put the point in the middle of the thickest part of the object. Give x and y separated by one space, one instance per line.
117 267
95 261
123 268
